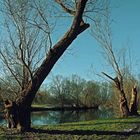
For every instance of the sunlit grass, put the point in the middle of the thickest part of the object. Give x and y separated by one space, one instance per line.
103 129
41 105
118 124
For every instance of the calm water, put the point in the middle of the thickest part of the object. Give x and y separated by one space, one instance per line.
57 117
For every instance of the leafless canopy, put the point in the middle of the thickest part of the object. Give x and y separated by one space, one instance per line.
26 36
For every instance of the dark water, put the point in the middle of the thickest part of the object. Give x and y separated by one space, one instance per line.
57 117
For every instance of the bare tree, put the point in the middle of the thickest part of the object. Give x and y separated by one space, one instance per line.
76 87
28 35
134 101
58 90
25 54
102 32
22 105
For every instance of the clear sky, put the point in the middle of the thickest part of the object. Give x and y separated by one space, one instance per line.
84 55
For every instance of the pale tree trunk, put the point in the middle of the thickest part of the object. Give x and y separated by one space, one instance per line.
124 109
133 102
123 100
24 101
123 105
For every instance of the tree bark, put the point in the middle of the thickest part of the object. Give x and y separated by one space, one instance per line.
27 95
133 102
124 105
19 118
124 109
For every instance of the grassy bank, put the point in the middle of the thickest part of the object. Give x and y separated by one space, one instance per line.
55 108
103 129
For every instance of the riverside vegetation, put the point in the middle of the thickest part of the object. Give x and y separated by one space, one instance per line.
114 128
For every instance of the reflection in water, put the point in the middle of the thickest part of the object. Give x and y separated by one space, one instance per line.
57 117
2 120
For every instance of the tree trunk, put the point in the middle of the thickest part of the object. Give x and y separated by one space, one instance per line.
124 109
123 101
23 103
133 102
24 119
18 117
123 105
25 79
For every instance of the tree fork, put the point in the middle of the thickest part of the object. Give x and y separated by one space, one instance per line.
124 109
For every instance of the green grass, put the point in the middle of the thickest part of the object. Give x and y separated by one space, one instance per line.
41 105
102 129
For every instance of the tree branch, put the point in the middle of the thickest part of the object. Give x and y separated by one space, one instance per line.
108 76
66 9
9 68
23 61
54 54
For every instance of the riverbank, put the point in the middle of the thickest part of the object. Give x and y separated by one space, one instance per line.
52 108
107 129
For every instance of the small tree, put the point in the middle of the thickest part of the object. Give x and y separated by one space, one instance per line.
58 90
76 87
95 94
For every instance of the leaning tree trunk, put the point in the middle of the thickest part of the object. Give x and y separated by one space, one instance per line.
133 102
24 101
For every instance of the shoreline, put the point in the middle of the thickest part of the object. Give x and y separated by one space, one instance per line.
33 109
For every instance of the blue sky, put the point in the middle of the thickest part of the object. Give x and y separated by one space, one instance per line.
84 56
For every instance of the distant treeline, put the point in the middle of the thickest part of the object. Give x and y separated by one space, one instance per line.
74 92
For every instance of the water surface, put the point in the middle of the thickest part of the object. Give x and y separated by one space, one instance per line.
57 117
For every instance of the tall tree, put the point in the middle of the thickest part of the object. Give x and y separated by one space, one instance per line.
76 87
29 34
22 112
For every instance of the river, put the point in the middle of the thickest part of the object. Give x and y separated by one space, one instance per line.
57 117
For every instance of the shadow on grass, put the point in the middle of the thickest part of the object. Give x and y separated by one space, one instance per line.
100 123
83 132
